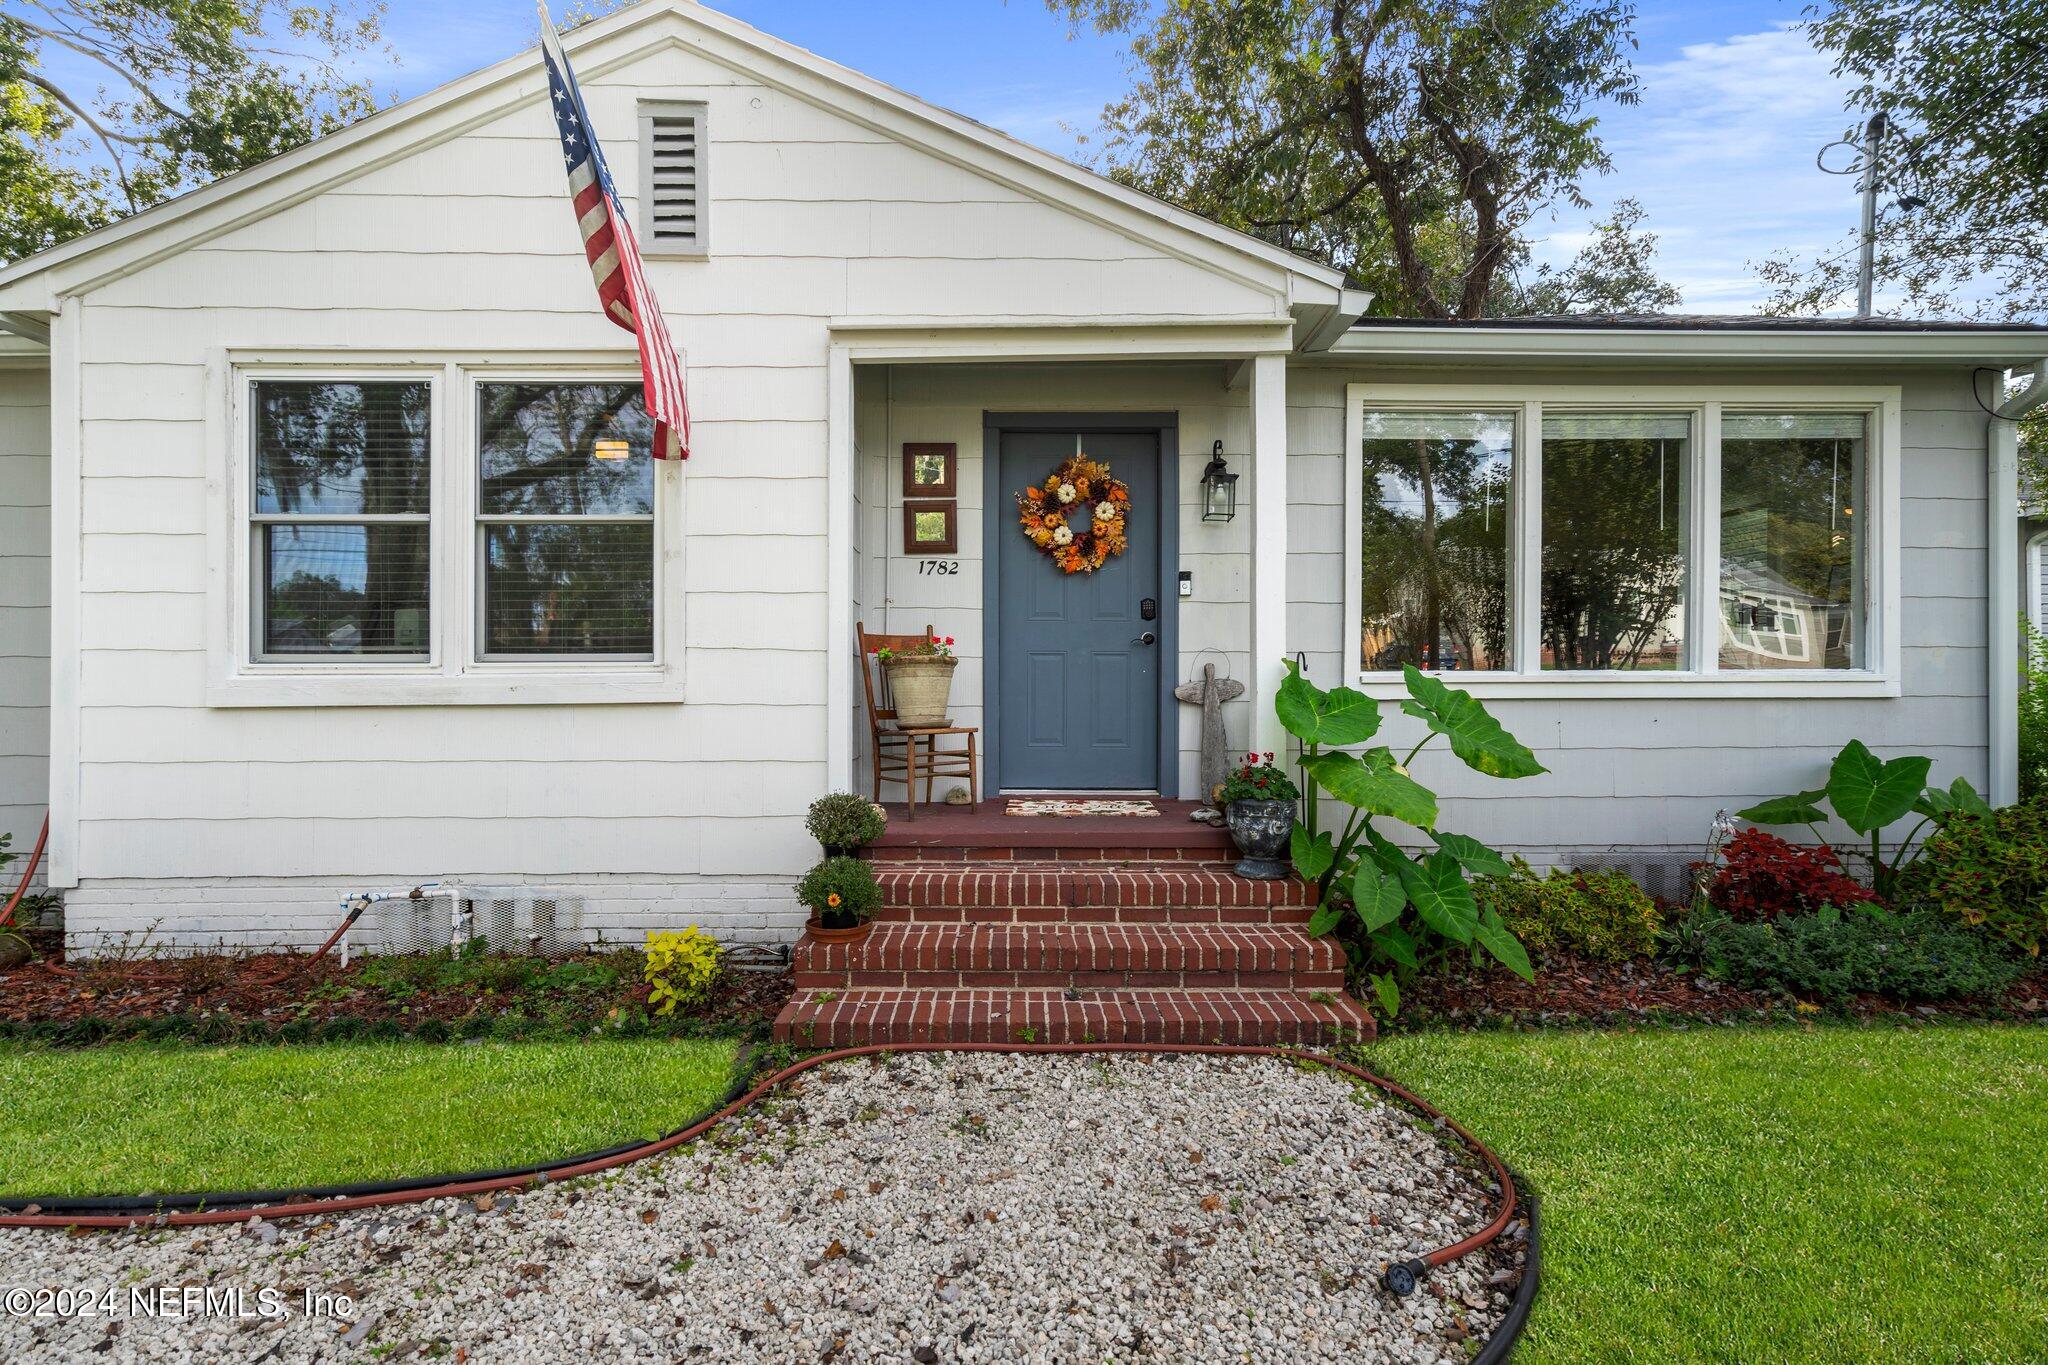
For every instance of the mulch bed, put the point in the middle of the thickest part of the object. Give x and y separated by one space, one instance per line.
1575 990
284 997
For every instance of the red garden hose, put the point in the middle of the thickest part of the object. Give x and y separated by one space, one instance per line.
34 860
1399 1278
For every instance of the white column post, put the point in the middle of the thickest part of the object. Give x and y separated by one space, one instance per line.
1269 546
839 477
2002 504
66 457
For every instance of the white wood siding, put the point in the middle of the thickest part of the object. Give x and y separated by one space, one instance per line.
1650 774
469 247
24 607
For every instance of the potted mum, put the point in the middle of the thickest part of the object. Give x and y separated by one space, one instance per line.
842 896
844 824
1258 807
920 680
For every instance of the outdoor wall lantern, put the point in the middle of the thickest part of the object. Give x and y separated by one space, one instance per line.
1219 488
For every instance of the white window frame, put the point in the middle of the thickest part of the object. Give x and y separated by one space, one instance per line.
1703 676
454 673
2037 598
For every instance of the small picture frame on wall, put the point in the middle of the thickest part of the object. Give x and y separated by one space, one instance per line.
931 527
930 470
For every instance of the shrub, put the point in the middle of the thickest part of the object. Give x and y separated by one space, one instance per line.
1764 877
841 891
681 968
843 821
1992 871
1834 955
1602 915
2033 712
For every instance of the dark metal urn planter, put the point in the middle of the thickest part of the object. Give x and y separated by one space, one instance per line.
1260 829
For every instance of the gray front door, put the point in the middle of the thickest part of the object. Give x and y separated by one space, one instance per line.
1078 695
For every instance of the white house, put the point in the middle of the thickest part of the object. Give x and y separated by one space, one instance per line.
321 568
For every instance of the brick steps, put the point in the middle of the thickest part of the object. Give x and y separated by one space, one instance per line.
1127 893
852 1018
1089 956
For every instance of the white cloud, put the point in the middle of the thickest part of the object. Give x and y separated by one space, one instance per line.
1721 154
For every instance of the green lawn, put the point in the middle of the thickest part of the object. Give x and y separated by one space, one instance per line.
133 1119
1839 1195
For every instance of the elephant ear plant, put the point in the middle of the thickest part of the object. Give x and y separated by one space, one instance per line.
1407 907
1869 795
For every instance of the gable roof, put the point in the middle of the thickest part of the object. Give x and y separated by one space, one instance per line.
35 283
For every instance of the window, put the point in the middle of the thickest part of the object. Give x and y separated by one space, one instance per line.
1435 539
1626 539
339 518
675 200
1792 557
565 521
1614 540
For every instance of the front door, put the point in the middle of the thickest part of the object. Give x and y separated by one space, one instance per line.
1078 690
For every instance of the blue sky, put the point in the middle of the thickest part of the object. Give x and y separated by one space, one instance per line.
1720 151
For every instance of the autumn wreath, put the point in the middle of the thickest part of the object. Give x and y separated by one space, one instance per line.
1077 515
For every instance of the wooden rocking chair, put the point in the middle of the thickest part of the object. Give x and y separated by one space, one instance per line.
910 754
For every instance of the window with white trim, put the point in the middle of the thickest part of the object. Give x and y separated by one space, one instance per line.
341 504
565 521
1624 540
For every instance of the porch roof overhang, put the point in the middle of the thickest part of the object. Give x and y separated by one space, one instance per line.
888 340
1748 341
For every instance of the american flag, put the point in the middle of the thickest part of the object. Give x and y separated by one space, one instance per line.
614 254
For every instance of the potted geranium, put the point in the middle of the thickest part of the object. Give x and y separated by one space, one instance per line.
844 824
842 896
920 680
1258 807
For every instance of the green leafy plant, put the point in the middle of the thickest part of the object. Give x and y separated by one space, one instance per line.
843 821
841 891
1256 780
1991 870
2033 712
681 967
1869 795
1600 914
1405 907
1833 955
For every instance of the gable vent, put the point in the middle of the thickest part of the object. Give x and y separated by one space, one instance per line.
674 201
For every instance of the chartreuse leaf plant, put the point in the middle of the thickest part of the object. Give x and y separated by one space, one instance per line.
1408 908
1869 795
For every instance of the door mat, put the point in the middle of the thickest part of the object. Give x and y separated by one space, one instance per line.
1021 806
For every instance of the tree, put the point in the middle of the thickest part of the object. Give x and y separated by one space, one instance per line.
175 93
1615 272
1964 87
1409 142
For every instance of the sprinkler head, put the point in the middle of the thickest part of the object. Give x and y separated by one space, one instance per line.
1402 1278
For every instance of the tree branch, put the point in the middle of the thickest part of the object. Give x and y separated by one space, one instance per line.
107 138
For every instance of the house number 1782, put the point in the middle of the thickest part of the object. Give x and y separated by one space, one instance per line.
938 566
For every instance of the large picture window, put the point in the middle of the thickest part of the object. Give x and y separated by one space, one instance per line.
565 521
1615 508
1792 557
340 513
1436 536
1624 539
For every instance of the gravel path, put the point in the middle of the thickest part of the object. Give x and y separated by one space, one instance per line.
927 1208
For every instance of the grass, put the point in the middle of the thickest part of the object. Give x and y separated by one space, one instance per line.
1844 1194
135 1119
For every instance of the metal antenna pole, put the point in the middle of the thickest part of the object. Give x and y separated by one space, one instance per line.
1873 152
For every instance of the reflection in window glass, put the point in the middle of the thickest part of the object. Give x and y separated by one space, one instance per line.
930 526
339 589
326 449
1436 535
566 520
568 589
1615 507
565 449
1792 547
